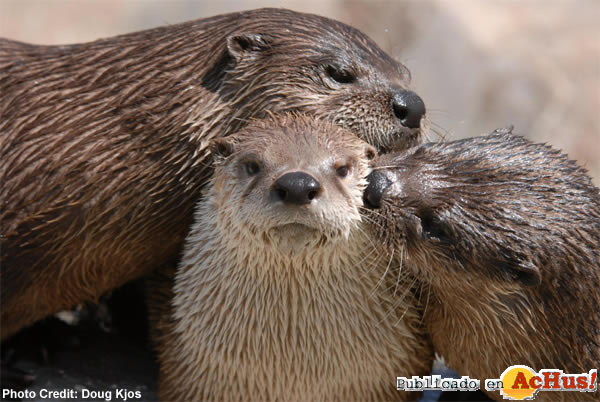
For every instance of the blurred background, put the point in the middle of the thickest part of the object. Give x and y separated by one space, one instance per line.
478 65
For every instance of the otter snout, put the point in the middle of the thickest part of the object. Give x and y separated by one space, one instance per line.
296 188
409 108
378 182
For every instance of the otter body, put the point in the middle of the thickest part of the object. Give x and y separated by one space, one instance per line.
505 236
278 295
103 144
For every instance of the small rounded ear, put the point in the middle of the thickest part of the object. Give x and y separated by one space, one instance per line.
518 269
370 152
222 147
527 273
239 45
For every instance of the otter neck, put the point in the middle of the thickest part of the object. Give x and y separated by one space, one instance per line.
261 256
314 316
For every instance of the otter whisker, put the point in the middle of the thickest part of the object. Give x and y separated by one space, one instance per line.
397 301
401 264
391 258
406 309
370 219
368 237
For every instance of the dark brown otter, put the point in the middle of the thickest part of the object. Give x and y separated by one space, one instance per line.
505 236
103 144
279 294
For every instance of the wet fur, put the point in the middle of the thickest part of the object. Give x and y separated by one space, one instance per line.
250 322
505 235
103 145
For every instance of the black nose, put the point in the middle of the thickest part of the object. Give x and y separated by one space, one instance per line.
377 185
408 108
296 188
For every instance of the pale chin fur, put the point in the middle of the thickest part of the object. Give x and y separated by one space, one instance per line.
295 233
295 239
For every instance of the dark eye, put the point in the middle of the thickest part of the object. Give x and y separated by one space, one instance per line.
252 168
342 171
340 75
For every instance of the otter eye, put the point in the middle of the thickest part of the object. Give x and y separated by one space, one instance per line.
340 75
252 168
343 171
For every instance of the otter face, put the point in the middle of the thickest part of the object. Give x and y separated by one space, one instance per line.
327 69
454 212
293 179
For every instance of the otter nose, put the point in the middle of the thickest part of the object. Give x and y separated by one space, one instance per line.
377 185
408 108
296 188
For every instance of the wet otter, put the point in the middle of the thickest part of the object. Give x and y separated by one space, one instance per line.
103 144
278 295
505 236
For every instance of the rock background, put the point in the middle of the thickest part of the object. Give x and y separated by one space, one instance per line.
479 65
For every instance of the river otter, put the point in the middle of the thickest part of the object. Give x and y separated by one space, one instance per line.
505 236
278 294
103 144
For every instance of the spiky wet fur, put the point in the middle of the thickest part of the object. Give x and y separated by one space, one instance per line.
103 144
505 237
251 321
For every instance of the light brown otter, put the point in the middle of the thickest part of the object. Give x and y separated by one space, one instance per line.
103 145
505 236
279 294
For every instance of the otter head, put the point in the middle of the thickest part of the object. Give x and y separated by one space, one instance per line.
283 61
292 182
454 216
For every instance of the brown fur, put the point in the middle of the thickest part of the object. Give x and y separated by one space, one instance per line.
256 319
103 144
505 235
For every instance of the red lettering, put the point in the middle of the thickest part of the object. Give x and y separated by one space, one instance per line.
533 383
553 380
582 382
569 382
593 380
520 380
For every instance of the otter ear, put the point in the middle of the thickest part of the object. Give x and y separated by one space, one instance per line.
520 270
222 147
242 44
370 152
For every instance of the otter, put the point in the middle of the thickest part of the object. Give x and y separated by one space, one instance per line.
278 294
103 145
504 236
